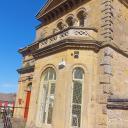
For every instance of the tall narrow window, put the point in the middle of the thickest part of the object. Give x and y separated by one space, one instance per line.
81 16
49 79
78 81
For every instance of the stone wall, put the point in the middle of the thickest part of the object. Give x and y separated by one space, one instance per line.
62 109
120 75
117 118
120 25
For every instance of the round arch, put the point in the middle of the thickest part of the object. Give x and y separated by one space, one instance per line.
60 24
70 20
81 15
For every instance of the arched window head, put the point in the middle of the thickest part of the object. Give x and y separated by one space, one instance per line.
48 82
70 21
49 74
55 31
60 26
82 16
78 73
78 83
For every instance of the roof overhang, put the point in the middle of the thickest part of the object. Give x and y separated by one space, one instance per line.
43 11
125 2
26 70
67 44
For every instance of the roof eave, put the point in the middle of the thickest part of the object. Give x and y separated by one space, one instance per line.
38 16
43 8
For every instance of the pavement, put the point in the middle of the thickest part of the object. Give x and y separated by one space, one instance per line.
1 123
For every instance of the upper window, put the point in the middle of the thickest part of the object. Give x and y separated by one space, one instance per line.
55 31
70 21
60 26
43 34
81 16
49 79
78 82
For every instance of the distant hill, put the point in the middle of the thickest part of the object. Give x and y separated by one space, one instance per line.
7 97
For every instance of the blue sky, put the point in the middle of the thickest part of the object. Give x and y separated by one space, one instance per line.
17 29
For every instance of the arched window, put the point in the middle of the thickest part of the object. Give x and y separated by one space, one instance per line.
55 31
48 82
43 34
81 16
60 26
78 83
70 21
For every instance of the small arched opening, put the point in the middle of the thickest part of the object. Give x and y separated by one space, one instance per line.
70 21
60 26
81 17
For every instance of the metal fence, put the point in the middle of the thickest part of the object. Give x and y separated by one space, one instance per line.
6 115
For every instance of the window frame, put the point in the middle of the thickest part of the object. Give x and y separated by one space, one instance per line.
45 97
81 81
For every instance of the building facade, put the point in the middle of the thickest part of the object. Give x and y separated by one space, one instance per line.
75 73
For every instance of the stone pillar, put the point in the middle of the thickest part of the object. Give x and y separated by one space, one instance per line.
105 89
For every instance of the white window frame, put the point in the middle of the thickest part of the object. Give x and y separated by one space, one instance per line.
45 104
49 84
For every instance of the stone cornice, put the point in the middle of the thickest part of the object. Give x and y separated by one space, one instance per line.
67 44
117 49
26 70
125 2
118 104
35 45
29 49
42 11
48 14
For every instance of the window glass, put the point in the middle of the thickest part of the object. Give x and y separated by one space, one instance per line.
76 115
52 75
70 21
46 76
77 92
78 76
52 91
45 100
81 16
78 73
50 111
60 26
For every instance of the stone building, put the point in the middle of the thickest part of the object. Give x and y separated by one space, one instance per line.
75 73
